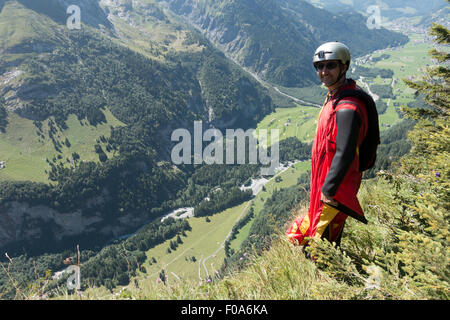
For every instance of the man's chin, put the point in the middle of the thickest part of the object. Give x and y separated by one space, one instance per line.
327 82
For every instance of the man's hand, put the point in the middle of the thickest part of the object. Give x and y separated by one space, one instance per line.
328 200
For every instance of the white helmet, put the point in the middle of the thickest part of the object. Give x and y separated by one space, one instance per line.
332 51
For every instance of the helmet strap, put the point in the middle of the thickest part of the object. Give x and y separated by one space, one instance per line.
339 78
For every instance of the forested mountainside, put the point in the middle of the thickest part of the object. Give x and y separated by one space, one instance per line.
50 72
87 114
274 39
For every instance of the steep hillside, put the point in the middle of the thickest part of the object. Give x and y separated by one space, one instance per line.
348 27
401 254
53 77
92 110
276 39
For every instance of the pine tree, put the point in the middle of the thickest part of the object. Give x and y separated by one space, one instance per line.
425 246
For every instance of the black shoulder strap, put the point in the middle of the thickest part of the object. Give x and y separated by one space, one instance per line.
356 93
368 148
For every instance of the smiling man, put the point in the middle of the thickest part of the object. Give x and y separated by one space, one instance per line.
344 146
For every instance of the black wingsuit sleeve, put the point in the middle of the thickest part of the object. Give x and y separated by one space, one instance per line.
348 123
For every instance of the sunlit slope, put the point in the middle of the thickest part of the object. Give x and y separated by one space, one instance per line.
27 149
21 26
299 122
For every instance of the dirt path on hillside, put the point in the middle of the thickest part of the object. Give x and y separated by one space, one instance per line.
222 245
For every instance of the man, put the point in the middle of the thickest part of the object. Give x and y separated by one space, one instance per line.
336 171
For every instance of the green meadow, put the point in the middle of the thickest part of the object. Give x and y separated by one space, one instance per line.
18 25
299 122
26 150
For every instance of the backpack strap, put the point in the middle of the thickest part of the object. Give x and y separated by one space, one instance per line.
346 102
368 148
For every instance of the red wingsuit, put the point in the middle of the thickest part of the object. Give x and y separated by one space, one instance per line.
322 217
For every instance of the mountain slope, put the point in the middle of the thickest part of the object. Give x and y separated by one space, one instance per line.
348 27
52 76
92 13
76 55
276 39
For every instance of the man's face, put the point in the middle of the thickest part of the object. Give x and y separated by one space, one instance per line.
329 71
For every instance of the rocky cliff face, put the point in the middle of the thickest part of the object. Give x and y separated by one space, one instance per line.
9 87
228 35
255 34
33 226
21 222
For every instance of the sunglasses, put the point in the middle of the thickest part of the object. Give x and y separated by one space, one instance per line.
329 65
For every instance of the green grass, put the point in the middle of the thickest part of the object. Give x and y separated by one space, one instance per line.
18 25
406 62
206 239
25 152
390 117
265 278
365 267
204 242
299 122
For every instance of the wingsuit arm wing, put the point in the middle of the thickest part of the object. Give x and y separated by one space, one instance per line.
348 123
